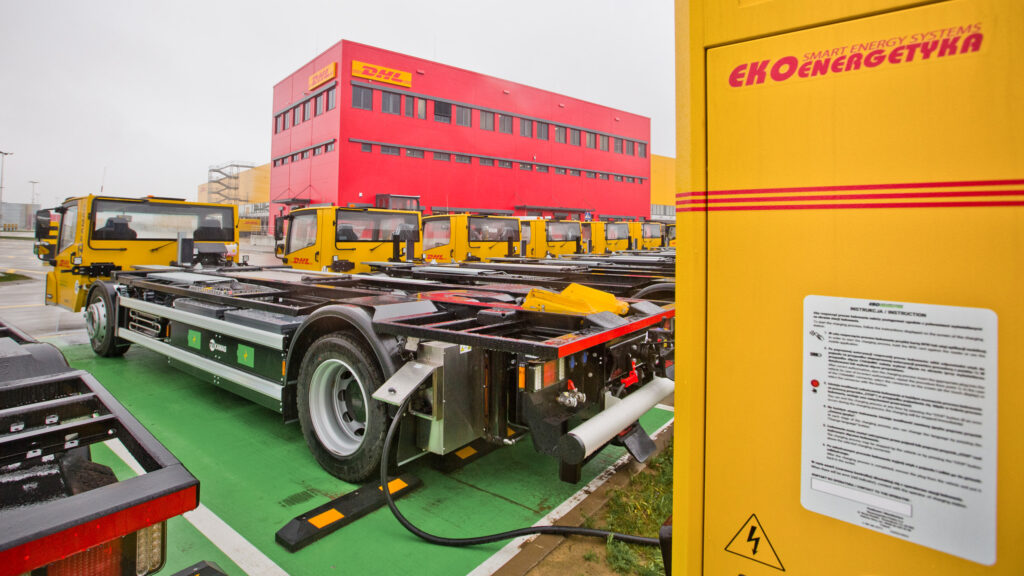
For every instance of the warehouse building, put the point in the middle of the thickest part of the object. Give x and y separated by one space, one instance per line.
361 125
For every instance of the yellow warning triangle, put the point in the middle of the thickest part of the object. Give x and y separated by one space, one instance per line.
752 543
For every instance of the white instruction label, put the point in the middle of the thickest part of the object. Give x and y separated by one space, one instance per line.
900 410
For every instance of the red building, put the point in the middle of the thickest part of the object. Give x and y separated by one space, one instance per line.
357 122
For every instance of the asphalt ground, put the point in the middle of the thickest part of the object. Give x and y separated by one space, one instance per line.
256 472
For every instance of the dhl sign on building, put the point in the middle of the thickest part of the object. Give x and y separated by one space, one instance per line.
851 228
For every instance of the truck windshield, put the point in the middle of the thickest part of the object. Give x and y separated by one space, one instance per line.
563 231
616 231
483 229
127 220
436 232
359 226
652 230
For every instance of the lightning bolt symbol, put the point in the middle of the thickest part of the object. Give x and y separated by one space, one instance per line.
750 538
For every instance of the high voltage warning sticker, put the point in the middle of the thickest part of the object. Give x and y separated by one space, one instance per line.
752 543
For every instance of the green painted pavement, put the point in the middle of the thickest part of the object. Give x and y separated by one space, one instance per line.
256 474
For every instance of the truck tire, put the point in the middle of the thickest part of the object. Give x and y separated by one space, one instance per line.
101 324
343 425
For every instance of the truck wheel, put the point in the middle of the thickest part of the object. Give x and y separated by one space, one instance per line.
343 425
101 324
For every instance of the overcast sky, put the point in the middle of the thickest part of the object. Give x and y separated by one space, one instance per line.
143 97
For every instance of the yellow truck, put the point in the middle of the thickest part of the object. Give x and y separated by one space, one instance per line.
647 235
469 237
851 255
328 238
88 237
542 238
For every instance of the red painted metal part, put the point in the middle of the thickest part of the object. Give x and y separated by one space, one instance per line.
37 553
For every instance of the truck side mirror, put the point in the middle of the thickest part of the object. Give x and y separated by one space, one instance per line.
279 230
45 251
43 226
279 250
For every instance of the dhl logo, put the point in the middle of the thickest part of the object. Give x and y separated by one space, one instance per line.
300 260
381 74
323 75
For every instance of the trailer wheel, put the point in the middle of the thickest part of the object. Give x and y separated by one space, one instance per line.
101 324
343 425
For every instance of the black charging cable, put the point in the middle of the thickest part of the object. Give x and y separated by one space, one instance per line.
474 541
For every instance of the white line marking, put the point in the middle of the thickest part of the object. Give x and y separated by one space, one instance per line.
507 552
666 408
238 549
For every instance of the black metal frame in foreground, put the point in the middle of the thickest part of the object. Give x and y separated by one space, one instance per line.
86 413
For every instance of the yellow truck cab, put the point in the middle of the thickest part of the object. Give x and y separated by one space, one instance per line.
542 238
670 235
328 238
469 237
87 238
647 235
604 237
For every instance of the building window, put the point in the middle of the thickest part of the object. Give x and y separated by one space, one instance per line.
504 163
574 137
618 145
295 157
329 147
319 108
410 106
524 166
643 149
443 112
390 103
464 116
421 109
282 161
602 142
591 140
630 179
463 158
542 168
629 147
367 147
504 124
591 174
542 131
389 150
573 172
526 128
304 155
618 178
307 109
362 98
279 123
330 99
413 153
560 134
602 176
318 150
486 162
295 116
559 170
442 156
486 120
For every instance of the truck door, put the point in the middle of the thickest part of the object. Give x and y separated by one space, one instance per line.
63 287
616 236
438 244
303 245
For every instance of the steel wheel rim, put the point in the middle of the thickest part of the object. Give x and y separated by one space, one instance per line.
96 321
337 407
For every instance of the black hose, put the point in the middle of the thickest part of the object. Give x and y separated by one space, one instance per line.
561 530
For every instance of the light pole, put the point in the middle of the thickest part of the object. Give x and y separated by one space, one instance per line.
33 183
3 158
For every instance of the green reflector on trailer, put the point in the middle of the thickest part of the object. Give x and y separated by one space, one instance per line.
245 355
195 339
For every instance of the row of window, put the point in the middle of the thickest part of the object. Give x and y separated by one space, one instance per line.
528 166
306 110
391 103
302 155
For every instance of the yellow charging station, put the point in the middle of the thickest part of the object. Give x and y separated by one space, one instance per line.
850 210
